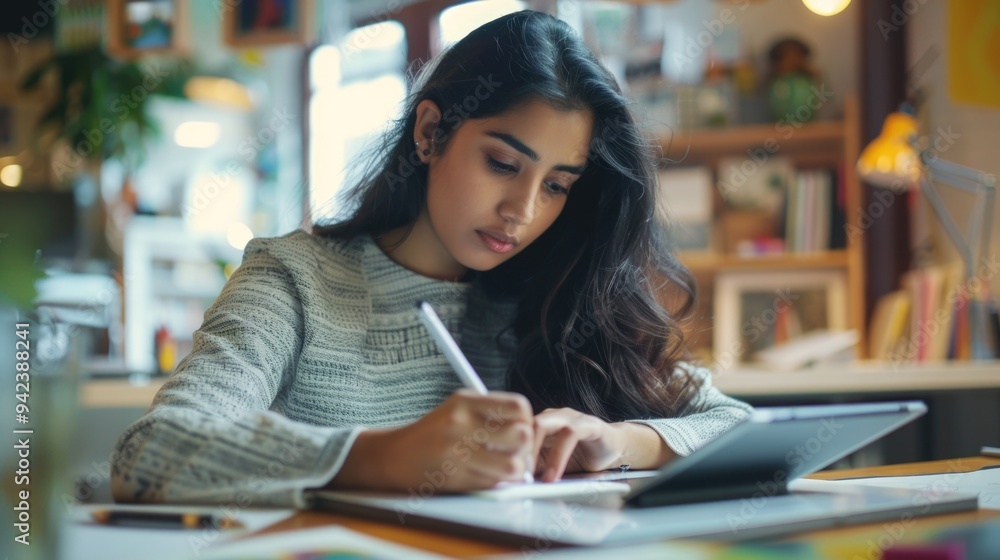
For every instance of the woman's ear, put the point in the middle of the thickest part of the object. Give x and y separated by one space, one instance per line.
428 118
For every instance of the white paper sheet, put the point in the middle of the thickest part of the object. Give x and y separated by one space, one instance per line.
985 483
563 488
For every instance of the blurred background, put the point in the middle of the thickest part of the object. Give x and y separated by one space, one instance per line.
144 143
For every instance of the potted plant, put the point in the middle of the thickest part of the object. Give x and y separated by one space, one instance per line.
99 110
96 109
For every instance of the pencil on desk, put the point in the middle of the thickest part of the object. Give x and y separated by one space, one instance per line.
185 520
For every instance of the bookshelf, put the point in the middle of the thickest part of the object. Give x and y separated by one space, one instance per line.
833 144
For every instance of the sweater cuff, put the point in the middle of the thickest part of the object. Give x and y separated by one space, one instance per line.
330 461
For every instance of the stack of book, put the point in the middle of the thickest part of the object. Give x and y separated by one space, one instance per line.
928 320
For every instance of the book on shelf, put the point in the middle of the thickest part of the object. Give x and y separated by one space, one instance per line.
951 280
838 210
889 324
807 206
938 326
814 214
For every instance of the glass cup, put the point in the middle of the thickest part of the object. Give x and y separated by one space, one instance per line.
38 412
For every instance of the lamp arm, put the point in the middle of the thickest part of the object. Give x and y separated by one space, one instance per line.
941 167
948 224
969 180
990 199
961 182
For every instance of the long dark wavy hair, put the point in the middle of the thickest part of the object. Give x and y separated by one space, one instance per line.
601 297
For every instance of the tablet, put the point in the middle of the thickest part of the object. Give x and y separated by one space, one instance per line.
769 449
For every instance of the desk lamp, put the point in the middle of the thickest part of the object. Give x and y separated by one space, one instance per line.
896 160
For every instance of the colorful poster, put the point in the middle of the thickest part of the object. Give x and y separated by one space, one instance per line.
974 52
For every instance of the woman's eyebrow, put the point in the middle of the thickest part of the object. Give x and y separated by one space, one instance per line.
513 142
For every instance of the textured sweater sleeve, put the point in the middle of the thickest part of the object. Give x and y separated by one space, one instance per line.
209 436
705 417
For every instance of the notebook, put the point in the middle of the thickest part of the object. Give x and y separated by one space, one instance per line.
734 487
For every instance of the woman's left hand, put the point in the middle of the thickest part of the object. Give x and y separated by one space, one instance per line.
567 440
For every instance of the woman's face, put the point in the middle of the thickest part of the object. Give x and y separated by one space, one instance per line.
502 181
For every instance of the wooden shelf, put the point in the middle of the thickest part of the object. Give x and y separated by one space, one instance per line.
819 141
706 262
863 377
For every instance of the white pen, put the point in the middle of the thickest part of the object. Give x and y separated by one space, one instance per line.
454 354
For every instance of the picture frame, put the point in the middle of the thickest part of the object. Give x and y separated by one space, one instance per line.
252 23
137 27
756 309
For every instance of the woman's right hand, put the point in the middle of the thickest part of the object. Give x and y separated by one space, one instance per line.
469 442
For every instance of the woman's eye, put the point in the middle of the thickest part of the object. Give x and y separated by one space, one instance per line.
556 188
499 167
507 169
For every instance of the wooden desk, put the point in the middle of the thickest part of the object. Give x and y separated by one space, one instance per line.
451 545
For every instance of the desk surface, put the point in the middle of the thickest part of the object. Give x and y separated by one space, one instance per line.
451 545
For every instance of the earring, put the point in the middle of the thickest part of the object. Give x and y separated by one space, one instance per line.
426 150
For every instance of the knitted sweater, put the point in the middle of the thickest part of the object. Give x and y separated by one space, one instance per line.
310 341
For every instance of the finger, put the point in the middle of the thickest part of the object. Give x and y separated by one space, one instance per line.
497 466
503 406
504 423
587 427
538 440
556 457
547 424
514 438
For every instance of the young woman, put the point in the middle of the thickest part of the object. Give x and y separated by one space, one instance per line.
517 195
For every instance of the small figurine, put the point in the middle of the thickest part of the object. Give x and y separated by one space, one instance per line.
792 82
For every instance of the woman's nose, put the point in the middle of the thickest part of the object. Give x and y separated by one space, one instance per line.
519 204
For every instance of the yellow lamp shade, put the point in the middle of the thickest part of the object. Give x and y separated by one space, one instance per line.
890 160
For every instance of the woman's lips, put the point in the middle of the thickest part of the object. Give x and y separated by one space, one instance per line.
495 244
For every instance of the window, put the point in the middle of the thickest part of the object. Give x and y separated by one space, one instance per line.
458 21
356 87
